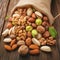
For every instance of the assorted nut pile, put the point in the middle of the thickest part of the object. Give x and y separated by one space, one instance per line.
29 31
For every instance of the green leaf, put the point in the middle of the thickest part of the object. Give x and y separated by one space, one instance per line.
6 17
52 31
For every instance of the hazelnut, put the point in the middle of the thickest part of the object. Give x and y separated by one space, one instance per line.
45 18
33 25
31 20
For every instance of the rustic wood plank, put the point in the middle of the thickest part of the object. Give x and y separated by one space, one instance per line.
5 54
3 10
58 24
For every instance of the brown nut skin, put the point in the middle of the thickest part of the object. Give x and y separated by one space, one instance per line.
29 34
9 25
31 19
13 42
46 34
44 23
7 47
23 50
40 29
34 25
28 41
33 46
34 52
45 18
33 15
14 46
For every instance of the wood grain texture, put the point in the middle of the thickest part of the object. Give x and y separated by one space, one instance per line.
5 10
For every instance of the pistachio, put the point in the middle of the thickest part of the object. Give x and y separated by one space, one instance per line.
29 11
35 41
21 42
38 36
38 21
5 33
12 30
7 40
38 14
34 33
16 15
46 49
28 28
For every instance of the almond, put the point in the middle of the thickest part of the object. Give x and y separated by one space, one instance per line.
12 42
35 51
28 41
33 15
7 47
33 46
14 46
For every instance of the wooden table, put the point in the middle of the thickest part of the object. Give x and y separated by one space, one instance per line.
5 8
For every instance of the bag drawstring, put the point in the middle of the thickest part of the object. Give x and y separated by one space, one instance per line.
56 16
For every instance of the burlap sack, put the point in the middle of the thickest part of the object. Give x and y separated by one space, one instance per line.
40 5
